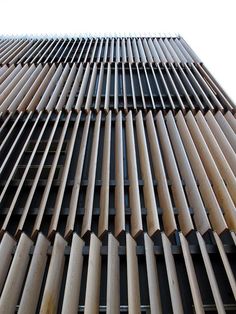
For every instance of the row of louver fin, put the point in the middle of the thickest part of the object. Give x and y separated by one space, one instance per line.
105 86
74 278
160 172
79 50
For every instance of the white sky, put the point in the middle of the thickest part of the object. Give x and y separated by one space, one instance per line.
209 26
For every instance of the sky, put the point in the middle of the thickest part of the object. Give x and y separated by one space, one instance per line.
209 26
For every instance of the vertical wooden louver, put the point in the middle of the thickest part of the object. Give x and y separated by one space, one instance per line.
117 178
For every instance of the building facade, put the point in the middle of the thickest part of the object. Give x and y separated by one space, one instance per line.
117 178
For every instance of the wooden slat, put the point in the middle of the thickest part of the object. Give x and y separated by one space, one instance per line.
108 85
100 50
172 276
104 193
73 278
88 207
5 122
92 293
134 197
149 87
99 88
52 288
78 175
91 88
118 50
6 246
33 283
140 87
124 88
113 276
105 52
135 50
119 176
148 190
132 276
129 51
116 100
94 50
88 50
153 281
197 300
141 50
83 87
15 277
132 87
233 237
231 120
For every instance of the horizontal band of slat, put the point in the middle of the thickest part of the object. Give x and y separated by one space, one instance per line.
69 50
43 165
61 261
109 86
